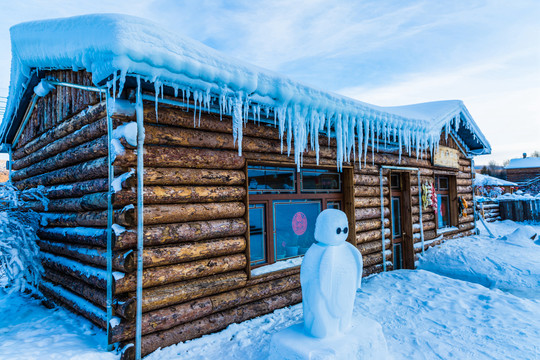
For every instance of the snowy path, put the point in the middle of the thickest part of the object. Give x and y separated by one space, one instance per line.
424 315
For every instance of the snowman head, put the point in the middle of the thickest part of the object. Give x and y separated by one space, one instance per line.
331 227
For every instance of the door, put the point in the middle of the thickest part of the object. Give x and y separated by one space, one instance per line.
401 221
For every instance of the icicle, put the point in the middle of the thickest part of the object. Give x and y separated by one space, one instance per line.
360 134
366 137
237 122
195 100
373 124
123 74
157 87
175 91
400 139
289 130
339 138
114 85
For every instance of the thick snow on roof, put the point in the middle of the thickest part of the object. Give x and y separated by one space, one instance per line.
486 180
107 44
523 163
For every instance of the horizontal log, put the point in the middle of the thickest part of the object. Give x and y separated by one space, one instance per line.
174 136
65 128
87 254
95 295
163 296
372 247
283 158
187 176
77 189
367 202
78 235
91 275
176 213
427 225
464 190
376 258
278 274
427 215
370 191
370 213
75 303
470 218
86 202
85 152
168 255
160 156
369 180
374 269
93 169
372 235
371 224
215 322
181 194
181 272
81 219
183 232
169 317
464 182
85 134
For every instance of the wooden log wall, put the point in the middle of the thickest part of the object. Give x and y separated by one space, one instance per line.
196 276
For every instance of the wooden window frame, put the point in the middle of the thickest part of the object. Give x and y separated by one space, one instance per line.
268 199
451 192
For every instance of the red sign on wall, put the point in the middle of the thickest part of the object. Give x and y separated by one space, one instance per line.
299 223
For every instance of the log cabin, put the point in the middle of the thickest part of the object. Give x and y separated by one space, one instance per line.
183 185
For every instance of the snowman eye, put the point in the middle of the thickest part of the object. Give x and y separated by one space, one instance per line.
338 231
345 229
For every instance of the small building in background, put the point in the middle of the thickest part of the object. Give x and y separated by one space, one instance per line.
524 171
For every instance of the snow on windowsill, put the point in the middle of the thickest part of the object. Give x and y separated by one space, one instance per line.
446 230
280 265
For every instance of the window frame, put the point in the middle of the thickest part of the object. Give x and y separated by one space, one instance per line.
268 198
451 193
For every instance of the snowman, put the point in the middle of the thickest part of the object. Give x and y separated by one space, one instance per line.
330 274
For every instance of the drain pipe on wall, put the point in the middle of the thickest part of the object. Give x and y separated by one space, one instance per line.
474 197
140 244
109 217
382 218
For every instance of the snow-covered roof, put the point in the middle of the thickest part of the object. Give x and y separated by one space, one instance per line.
524 163
107 44
486 180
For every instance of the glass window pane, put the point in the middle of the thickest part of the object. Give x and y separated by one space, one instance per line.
396 217
333 205
257 234
394 181
271 179
443 183
398 258
320 180
294 226
444 211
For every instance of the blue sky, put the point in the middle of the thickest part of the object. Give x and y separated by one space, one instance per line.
486 53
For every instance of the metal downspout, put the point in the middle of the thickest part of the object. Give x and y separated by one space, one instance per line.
473 196
140 169
10 159
109 221
382 218
26 118
420 216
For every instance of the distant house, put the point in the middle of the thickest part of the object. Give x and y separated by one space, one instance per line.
523 170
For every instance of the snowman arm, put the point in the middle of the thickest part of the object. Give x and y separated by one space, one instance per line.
359 263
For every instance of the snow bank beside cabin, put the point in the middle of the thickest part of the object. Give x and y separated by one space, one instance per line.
423 315
509 262
28 330
119 45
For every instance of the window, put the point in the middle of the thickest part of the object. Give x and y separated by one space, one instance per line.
283 207
442 188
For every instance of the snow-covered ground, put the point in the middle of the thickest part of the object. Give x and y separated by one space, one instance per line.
424 315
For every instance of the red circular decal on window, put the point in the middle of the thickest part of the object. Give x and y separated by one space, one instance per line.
299 223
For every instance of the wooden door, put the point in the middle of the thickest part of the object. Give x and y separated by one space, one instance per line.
401 220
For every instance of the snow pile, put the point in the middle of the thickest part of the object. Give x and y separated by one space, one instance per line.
423 315
486 180
28 330
509 262
523 163
120 45
20 268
